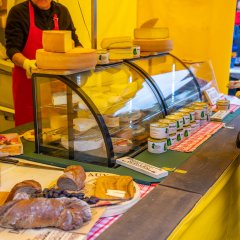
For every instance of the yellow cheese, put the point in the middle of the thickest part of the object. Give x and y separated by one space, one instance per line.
77 58
57 41
116 42
124 53
124 90
154 45
151 33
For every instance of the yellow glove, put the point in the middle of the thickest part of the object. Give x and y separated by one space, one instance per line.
29 65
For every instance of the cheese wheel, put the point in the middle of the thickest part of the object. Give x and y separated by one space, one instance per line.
57 41
116 42
154 45
77 58
151 33
124 53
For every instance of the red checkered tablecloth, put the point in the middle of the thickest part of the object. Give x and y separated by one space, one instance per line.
191 143
105 222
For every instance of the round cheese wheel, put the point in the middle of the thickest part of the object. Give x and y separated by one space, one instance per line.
77 58
154 45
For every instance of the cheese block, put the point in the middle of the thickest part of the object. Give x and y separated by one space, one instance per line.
116 42
151 33
60 98
123 53
77 58
154 45
83 145
124 90
57 41
84 124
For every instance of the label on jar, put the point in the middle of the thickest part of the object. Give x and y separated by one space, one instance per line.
158 130
157 146
171 139
172 125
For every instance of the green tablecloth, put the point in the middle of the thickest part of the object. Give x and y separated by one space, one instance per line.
171 159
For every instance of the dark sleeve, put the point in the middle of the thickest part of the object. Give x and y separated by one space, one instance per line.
66 23
16 31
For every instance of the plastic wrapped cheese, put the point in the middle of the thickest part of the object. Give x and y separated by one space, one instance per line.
57 41
151 33
77 58
154 45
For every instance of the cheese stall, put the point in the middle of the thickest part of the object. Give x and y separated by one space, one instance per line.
133 136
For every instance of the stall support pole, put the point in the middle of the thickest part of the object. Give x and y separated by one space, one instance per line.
94 23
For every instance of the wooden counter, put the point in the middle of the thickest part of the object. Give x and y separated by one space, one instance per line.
157 215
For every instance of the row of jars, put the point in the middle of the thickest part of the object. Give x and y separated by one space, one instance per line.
177 126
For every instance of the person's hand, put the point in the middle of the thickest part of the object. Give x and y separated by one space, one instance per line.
29 65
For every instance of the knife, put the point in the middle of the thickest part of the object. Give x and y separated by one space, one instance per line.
15 161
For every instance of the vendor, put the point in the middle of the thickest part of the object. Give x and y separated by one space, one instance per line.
25 24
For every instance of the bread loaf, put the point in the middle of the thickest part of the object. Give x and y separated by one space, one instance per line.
24 189
72 179
63 213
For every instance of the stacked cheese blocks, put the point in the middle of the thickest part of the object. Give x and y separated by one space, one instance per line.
59 53
120 48
152 39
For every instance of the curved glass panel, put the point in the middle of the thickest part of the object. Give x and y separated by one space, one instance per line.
175 81
95 116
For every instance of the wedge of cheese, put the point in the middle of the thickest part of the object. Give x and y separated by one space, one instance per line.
151 33
154 45
77 58
57 41
116 42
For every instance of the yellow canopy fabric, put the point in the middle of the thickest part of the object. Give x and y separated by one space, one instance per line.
201 30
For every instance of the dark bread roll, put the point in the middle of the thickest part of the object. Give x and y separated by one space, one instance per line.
24 189
72 179
63 213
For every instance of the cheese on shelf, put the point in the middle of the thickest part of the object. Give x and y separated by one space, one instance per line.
84 124
77 58
57 41
116 42
123 53
60 98
154 45
151 33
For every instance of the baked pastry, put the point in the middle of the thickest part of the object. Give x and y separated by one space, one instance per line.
24 190
63 213
72 179
120 183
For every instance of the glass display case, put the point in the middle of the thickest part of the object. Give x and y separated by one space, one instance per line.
100 115
173 79
94 116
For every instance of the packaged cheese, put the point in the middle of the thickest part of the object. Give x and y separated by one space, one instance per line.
57 41
77 58
151 33
116 42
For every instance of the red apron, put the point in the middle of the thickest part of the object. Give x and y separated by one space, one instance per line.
22 86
